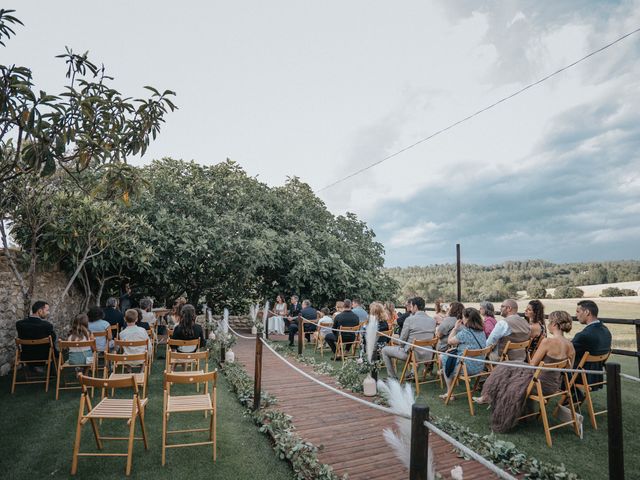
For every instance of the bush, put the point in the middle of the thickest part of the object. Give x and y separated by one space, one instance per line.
568 292
536 292
618 292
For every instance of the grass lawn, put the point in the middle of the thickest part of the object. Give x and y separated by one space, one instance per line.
587 457
37 434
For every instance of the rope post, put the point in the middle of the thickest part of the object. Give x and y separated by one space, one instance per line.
419 462
458 272
300 335
266 327
614 422
257 378
223 353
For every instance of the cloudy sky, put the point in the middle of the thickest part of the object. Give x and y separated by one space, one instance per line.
321 89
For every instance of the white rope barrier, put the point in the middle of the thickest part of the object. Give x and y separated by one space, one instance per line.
474 359
241 336
467 451
629 377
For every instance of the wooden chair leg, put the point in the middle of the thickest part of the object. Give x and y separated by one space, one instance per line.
76 443
46 385
545 420
453 385
589 402
468 388
132 431
15 374
164 438
416 379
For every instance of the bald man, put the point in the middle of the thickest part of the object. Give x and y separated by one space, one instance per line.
512 327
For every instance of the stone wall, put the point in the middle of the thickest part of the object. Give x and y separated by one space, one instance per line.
49 285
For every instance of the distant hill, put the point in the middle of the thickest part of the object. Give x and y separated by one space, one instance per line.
496 282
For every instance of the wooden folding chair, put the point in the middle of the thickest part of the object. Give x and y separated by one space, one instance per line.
171 361
534 392
109 408
580 381
62 365
463 374
512 346
115 330
18 361
427 365
319 344
205 402
340 344
128 361
107 340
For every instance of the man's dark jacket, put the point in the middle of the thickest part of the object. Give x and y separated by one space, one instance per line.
35 328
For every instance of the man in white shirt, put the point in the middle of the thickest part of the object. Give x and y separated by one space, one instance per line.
146 304
133 333
511 327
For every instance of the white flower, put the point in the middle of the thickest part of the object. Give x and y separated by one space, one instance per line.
359 361
212 336
456 473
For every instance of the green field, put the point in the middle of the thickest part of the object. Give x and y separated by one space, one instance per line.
38 433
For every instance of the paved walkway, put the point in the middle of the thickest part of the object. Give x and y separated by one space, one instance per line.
350 434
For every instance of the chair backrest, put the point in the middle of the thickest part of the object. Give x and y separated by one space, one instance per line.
477 352
385 333
431 343
184 343
587 357
131 343
561 364
114 329
124 358
591 380
176 378
38 341
126 382
66 344
190 356
514 346
349 329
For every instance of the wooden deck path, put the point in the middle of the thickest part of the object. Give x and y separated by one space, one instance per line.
350 433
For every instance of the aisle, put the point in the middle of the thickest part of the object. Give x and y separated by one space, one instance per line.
350 433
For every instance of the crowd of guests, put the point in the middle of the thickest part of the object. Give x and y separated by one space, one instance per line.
131 324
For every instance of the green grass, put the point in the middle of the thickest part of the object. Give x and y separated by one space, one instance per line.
587 457
37 434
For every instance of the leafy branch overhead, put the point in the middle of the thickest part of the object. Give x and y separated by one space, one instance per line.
88 124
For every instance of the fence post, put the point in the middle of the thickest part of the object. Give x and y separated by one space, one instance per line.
458 272
257 374
614 422
223 353
266 327
419 463
300 335
638 342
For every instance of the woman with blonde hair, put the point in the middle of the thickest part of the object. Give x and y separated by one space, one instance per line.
339 308
381 313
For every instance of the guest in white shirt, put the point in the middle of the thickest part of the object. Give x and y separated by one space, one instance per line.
133 333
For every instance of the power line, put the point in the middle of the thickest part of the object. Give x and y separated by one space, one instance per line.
469 117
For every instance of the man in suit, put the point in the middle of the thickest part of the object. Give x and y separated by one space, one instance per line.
595 338
308 313
346 318
35 327
419 326
113 315
294 311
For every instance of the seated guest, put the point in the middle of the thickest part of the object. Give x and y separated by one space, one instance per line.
146 304
390 307
467 334
403 316
534 313
35 327
440 312
446 325
141 322
134 333
79 332
308 313
489 316
506 387
294 311
113 315
512 327
419 326
594 338
358 309
188 329
325 322
346 318
378 310
339 307
97 323
172 318
126 302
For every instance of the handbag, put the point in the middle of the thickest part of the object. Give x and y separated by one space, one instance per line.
450 363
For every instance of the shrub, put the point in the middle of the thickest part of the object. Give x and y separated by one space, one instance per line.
568 292
618 292
536 292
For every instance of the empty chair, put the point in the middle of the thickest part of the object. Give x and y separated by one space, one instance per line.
173 404
128 362
129 409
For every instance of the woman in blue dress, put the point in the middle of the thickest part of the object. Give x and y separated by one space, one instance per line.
468 334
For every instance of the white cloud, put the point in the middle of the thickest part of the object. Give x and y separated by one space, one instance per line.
413 235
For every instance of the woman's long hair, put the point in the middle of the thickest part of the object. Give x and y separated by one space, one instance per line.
188 320
473 318
80 327
538 312
456 309
377 309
